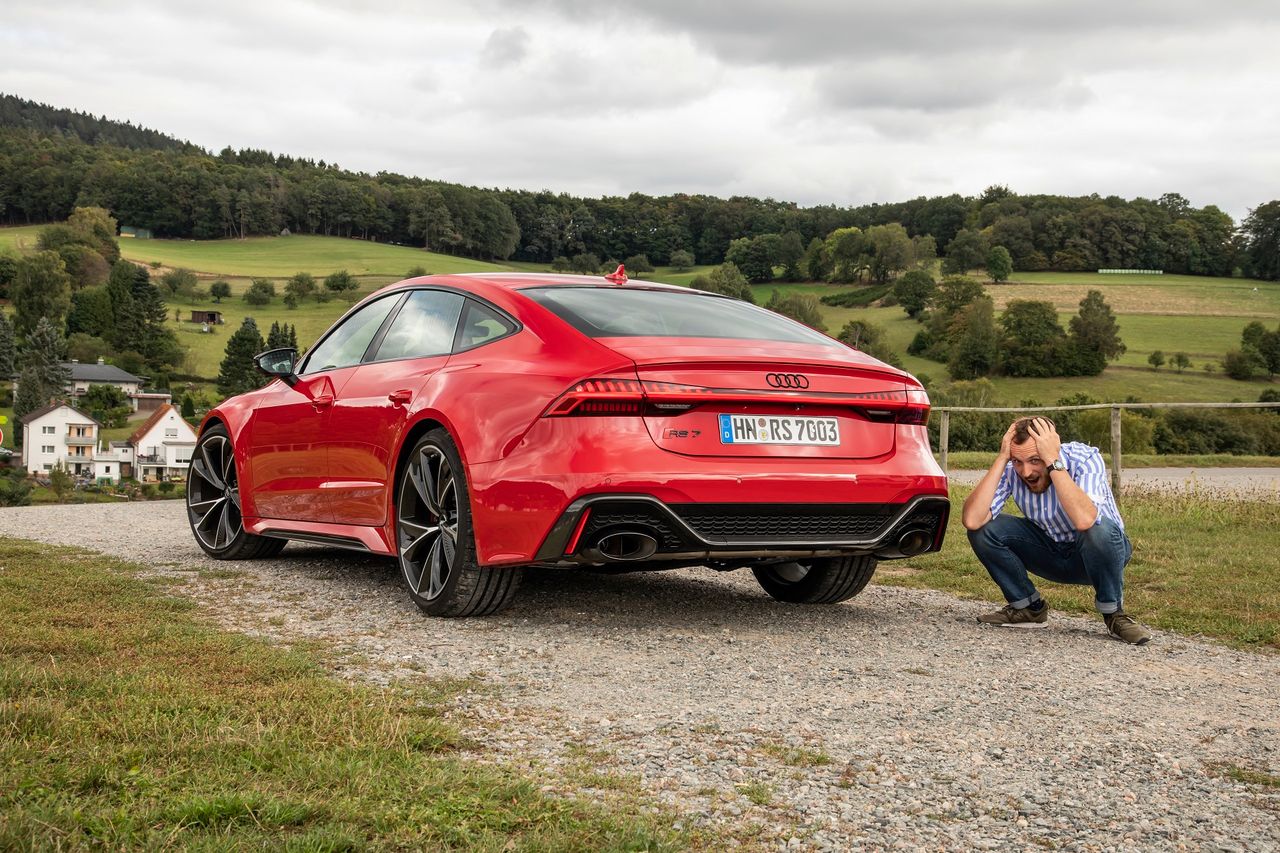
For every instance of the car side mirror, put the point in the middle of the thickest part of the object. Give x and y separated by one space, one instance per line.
278 363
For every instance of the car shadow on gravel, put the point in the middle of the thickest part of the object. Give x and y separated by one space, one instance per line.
683 598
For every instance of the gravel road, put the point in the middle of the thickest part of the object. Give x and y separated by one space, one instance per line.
893 721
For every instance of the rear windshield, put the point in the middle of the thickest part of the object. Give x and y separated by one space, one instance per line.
630 312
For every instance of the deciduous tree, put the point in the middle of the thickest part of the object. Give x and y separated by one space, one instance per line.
913 290
727 280
41 290
999 263
681 260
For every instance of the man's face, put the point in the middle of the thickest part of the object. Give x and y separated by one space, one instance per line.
1028 465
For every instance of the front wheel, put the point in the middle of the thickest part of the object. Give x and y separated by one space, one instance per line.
434 542
822 581
213 502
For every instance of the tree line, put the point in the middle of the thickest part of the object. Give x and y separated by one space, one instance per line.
52 161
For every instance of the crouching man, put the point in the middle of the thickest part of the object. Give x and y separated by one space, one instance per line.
1072 532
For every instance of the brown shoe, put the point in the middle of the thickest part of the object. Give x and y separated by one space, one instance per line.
1017 617
1124 627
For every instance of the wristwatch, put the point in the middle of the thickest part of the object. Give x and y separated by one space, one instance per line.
1057 465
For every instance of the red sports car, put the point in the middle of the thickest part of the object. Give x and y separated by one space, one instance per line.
475 425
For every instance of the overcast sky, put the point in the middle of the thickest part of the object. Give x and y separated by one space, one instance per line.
812 101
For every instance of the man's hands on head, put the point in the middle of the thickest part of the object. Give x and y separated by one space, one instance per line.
1006 443
1048 442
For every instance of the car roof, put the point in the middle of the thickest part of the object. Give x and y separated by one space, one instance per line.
521 280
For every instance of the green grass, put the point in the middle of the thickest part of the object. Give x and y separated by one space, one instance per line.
207 349
1201 316
129 724
284 256
1216 578
19 238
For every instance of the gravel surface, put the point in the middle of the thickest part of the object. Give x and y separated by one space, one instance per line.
893 721
1251 483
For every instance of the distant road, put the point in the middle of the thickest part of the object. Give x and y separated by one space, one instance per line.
1233 482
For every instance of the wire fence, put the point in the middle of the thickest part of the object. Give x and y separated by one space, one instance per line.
1117 467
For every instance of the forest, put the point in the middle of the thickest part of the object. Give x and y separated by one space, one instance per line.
54 160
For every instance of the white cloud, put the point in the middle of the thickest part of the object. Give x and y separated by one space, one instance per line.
814 101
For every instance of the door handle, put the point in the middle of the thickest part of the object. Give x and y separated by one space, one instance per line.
401 397
324 401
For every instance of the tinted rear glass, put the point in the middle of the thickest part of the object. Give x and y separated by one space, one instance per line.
618 312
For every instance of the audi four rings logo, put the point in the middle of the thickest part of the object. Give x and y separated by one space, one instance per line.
787 380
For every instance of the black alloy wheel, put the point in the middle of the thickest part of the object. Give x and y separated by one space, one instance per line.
213 502
819 581
434 542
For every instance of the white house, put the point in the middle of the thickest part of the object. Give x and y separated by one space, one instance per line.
162 446
59 433
84 375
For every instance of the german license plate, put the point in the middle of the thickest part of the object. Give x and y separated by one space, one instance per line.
779 429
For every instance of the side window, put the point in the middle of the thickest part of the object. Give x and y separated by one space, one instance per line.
481 324
346 344
423 327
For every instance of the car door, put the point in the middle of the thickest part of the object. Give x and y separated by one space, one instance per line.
288 462
371 409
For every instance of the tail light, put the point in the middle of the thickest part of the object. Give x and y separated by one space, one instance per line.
604 396
916 411
613 396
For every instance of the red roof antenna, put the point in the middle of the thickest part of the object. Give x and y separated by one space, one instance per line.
619 276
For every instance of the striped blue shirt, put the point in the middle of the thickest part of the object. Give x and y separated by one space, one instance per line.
1085 466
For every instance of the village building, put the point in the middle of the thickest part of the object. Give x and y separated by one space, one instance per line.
59 433
86 374
162 446
160 449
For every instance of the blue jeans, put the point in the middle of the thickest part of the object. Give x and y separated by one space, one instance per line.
1010 547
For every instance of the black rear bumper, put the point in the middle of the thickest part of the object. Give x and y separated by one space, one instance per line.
725 531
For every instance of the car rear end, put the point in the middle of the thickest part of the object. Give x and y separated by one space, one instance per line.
734 435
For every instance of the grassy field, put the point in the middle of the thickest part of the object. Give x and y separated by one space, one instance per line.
1217 578
129 724
273 257
20 238
1200 316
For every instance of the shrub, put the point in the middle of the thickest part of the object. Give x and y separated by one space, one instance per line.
802 307
1136 432
15 489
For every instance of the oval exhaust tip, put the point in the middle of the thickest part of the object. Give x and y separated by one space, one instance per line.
627 545
914 542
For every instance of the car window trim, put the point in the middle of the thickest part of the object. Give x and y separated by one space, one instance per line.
376 341
338 324
511 324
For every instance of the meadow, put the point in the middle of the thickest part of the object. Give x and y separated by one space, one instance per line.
1215 579
132 724
1202 317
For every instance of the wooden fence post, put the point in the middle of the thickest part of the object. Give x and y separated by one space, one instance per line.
944 427
1115 452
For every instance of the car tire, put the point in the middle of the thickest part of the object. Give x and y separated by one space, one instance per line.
213 502
435 545
823 581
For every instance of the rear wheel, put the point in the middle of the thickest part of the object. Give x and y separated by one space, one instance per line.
434 542
213 502
820 581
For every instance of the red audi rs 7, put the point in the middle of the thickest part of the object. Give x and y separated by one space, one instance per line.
474 425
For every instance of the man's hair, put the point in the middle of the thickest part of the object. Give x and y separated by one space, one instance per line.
1022 428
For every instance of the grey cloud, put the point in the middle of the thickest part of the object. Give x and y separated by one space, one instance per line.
506 46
